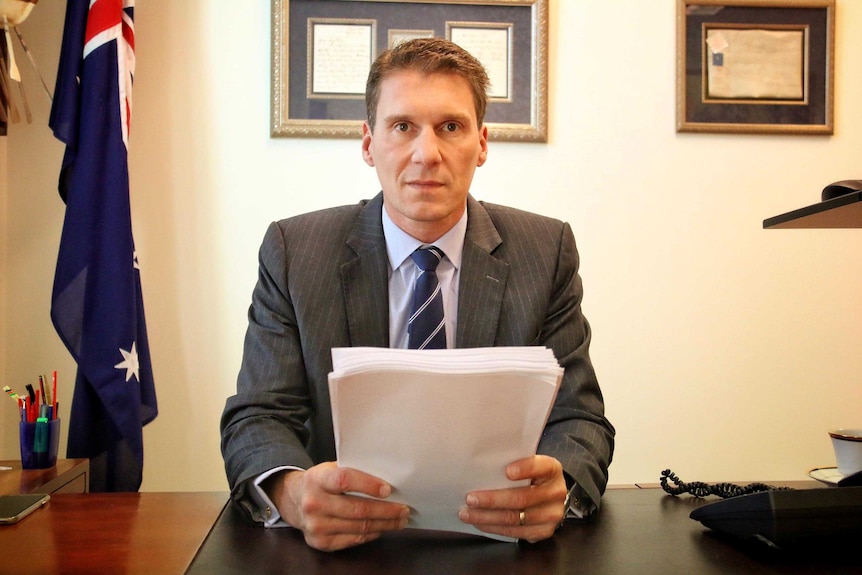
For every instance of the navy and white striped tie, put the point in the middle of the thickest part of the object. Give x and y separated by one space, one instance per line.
425 326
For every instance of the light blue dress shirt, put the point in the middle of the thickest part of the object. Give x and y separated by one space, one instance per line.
403 272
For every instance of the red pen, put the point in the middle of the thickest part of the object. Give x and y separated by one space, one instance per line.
54 395
31 405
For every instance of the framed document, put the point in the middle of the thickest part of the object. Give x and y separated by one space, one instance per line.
755 66
322 51
492 45
338 52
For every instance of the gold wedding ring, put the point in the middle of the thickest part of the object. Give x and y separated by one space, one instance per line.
522 518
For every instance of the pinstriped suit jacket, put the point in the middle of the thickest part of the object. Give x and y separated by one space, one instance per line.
323 280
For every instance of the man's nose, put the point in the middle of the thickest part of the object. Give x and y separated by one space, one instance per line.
426 149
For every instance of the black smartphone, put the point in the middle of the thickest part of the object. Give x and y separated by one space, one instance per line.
14 508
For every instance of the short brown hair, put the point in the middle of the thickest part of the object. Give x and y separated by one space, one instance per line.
429 56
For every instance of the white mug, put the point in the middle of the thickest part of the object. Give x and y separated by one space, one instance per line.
847 444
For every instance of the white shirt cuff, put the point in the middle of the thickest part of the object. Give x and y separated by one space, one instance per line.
267 511
580 505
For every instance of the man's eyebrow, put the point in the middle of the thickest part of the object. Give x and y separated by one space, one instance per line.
445 117
396 118
459 117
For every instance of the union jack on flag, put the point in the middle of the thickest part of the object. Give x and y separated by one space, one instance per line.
106 23
97 305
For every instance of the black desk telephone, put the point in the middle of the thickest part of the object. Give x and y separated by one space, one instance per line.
780 517
788 518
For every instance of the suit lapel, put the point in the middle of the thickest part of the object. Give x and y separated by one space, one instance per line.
482 282
365 279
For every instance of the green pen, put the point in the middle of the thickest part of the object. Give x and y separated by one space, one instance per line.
40 439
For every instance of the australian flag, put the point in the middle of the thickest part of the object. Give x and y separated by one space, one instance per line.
97 306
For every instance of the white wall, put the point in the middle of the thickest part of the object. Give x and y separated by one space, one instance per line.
725 351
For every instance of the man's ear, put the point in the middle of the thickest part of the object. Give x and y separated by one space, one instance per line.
366 145
483 145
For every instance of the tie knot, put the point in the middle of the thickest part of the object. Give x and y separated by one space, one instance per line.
427 258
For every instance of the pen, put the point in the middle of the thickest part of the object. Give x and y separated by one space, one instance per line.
19 401
11 393
42 388
31 403
54 395
40 439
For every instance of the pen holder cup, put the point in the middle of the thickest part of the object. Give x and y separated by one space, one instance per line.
39 443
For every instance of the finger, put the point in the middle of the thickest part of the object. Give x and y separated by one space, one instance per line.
347 520
508 518
330 542
530 534
536 468
318 498
391 518
547 485
333 494
537 523
513 499
338 480
359 509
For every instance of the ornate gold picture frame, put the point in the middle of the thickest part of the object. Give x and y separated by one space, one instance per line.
755 66
322 50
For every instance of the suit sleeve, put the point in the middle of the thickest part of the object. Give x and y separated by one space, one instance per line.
262 426
577 432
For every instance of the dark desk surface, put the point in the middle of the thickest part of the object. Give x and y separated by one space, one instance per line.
639 531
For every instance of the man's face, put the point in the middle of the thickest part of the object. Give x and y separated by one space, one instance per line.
426 145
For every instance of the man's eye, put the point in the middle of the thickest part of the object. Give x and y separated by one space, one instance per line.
450 126
401 127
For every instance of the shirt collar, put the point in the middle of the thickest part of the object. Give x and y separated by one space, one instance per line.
400 244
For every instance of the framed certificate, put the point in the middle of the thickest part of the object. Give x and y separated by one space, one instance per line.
322 51
755 66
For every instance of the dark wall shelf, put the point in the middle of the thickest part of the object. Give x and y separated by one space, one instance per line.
841 212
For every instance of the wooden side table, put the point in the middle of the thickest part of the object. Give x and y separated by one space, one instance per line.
68 476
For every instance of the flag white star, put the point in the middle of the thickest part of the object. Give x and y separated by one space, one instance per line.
130 362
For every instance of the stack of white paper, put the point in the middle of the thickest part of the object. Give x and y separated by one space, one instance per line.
437 424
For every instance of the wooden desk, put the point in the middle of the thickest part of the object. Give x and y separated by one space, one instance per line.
110 533
68 476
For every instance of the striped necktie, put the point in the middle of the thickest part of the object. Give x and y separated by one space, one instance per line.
425 326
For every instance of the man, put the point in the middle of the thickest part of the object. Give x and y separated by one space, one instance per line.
344 277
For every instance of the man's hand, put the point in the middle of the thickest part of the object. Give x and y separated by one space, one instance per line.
317 502
531 513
